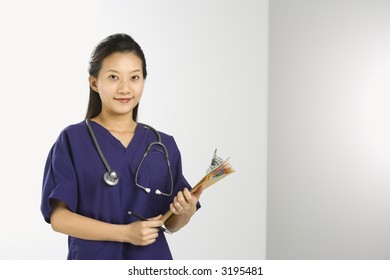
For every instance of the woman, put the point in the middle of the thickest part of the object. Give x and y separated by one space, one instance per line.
78 202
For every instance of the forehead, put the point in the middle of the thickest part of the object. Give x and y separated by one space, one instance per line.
122 61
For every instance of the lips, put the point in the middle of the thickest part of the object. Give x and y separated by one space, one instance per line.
123 100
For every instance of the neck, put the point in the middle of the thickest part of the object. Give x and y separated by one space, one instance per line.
116 123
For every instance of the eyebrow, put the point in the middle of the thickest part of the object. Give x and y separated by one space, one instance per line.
137 70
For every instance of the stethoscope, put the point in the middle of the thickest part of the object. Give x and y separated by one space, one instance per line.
111 177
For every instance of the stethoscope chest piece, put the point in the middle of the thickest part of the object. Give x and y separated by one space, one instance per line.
111 178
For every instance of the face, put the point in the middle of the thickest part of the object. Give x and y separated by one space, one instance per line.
119 83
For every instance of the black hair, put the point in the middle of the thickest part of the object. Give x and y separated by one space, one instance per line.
114 43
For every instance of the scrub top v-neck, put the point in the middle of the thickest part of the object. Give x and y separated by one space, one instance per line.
74 175
106 134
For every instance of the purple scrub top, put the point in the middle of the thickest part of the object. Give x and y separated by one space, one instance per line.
74 174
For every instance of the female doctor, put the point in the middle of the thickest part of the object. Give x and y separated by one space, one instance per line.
94 212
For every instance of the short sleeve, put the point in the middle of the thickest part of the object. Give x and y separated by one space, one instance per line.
59 179
179 181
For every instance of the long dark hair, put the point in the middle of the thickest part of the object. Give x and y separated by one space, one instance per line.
114 43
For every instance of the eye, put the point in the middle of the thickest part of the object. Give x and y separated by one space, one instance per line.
135 77
113 77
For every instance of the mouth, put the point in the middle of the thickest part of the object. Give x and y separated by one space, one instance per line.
123 100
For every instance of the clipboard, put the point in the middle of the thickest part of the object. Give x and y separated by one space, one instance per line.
217 171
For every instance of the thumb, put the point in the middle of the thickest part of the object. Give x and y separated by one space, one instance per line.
157 218
198 192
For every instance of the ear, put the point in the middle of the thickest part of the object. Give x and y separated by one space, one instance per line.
93 83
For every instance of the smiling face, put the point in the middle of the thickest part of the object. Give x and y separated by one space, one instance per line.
119 83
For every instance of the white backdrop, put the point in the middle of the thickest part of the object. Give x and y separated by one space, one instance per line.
329 133
207 86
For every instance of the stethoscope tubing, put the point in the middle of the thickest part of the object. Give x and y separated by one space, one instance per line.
97 146
111 177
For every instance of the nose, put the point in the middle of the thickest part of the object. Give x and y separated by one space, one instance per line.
124 87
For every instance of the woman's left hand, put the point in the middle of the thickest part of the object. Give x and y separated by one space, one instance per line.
184 204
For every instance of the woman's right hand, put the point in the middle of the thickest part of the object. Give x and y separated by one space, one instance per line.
139 233
143 233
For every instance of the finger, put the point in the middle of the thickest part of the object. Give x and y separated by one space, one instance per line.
153 236
198 192
173 209
155 218
189 197
147 240
154 223
180 196
178 207
148 227
181 199
146 243
176 203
